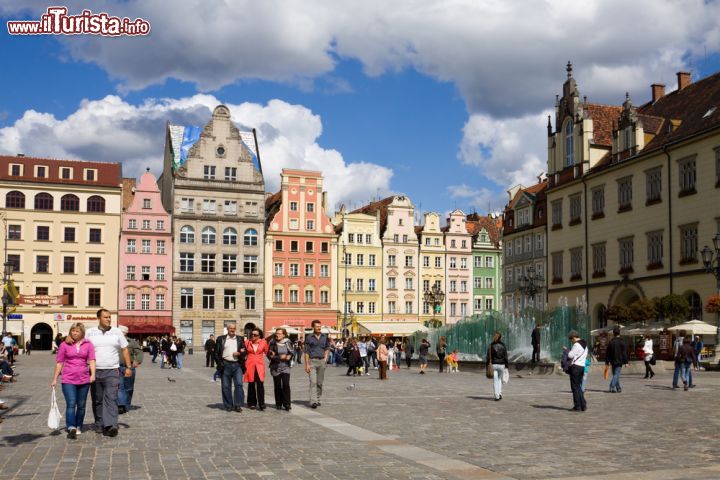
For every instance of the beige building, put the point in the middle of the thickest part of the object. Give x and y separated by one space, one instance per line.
63 228
432 265
215 192
633 195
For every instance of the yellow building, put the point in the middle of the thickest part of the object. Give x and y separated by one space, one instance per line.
633 194
63 229
359 275
432 264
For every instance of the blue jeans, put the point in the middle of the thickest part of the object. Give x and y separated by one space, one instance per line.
127 386
178 360
232 374
75 400
615 380
498 370
676 374
685 369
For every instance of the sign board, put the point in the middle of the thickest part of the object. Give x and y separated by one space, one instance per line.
42 299
665 346
15 316
602 345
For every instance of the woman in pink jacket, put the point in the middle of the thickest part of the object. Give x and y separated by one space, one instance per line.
382 355
76 361
256 348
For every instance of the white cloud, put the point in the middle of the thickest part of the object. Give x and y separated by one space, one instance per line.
482 200
111 129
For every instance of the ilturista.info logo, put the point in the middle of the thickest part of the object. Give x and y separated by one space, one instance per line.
56 21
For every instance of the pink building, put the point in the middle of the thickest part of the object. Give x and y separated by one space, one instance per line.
145 287
458 268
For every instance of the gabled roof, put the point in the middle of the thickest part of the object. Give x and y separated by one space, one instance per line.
603 117
379 206
493 226
272 205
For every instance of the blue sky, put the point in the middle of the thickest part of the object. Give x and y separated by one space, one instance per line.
443 101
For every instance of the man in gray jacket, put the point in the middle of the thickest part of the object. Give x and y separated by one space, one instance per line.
127 384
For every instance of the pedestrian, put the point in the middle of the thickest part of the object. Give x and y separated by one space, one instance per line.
382 354
9 343
280 352
441 351
398 353
165 352
109 343
498 357
210 351
453 362
677 344
179 353
127 384
56 342
698 346
257 350
423 353
648 356
299 349
364 359
586 370
154 347
577 357
317 347
616 356
408 350
686 358
28 347
391 353
535 341
76 362
339 351
230 359
372 352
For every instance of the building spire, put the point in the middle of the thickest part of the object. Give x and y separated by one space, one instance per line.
568 68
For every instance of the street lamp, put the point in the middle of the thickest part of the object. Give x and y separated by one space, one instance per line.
530 284
434 297
711 262
7 272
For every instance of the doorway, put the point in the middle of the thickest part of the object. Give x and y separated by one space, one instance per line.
41 336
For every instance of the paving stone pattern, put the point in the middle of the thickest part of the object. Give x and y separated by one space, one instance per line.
411 427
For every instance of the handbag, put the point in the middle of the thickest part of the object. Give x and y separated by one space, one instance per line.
652 360
606 372
54 415
506 375
488 365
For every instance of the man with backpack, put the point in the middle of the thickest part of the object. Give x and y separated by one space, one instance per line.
616 357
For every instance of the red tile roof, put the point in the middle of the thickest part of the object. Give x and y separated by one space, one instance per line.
128 184
108 174
603 117
475 223
379 206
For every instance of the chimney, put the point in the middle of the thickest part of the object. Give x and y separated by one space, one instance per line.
684 79
20 154
658 91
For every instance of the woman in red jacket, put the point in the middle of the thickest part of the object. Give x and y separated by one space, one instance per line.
256 348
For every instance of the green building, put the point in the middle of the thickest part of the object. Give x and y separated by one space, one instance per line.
487 261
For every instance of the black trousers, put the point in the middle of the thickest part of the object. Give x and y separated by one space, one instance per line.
441 361
173 359
648 370
576 376
281 383
535 354
256 392
209 359
408 360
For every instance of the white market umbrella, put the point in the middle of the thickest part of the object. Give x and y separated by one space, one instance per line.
696 327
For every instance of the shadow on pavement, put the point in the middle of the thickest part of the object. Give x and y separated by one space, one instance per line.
15 440
551 407
473 397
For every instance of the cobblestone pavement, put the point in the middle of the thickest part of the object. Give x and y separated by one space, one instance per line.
412 427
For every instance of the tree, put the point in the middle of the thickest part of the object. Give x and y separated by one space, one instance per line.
643 311
674 308
619 314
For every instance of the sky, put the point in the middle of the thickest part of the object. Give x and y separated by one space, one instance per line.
444 101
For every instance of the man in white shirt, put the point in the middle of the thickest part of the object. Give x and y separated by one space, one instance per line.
577 356
109 342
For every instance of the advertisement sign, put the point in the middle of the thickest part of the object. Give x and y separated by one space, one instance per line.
665 346
42 299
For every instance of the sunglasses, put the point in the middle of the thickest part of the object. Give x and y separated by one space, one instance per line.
255 334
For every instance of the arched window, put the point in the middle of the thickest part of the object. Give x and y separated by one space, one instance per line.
208 235
187 234
43 201
230 236
569 144
15 199
96 204
70 202
251 237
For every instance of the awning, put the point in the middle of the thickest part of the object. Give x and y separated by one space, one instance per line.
696 327
399 329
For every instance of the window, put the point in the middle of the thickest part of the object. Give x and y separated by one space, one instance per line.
187 262
43 201
477 282
408 307
130 301
408 284
408 261
187 205
687 176
132 224
477 263
208 298
94 265
145 301
14 260
15 199
250 264
160 247
488 304
278 295
229 263
391 283
186 298
557 267
391 307
427 241
230 236
324 271
96 203
293 206
626 249
294 270
41 172
69 203
66 173
145 246
208 207
463 262
95 235
94 299
569 144
187 234
250 238
309 270
438 262
230 299
309 296
68 264
310 225
624 186
360 307
371 307
294 246
207 262
478 304
452 243
278 245
575 209
371 259
371 285
391 260
230 207
130 272
488 282
70 293
324 247
294 296
348 284
463 244
159 273
598 260
359 238
208 172
309 247
146 203
293 224
15 170
556 214
490 261
453 262
230 174
463 286
463 309
42 233
405 239
90 174
41 291
249 299
426 261
654 250
688 243
310 207
278 270
146 224
360 259
653 185
453 309
160 301
396 238
576 264
208 236
130 248
598 202
368 238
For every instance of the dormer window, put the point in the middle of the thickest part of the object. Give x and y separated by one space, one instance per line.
16 170
66 173
569 144
627 134
40 172
90 174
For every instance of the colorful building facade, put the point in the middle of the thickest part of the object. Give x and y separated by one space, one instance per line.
458 268
487 261
432 265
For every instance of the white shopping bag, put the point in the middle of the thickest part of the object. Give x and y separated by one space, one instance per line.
54 416
506 376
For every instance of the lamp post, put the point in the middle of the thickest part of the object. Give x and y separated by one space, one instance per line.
435 297
345 289
530 284
7 272
711 262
